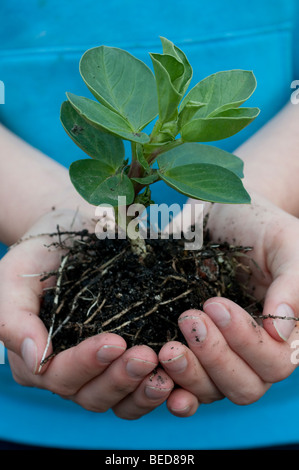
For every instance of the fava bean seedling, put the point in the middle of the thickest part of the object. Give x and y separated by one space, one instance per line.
133 286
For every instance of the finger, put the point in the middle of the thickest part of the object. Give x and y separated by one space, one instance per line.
184 368
150 394
182 403
21 289
270 359
282 297
230 373
281 305
120 379
73 368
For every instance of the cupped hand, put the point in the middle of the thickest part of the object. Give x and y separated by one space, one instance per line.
98 374
231 354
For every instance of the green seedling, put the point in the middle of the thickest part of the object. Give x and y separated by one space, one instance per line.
128 97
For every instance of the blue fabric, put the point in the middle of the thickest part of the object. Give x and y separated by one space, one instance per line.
41 42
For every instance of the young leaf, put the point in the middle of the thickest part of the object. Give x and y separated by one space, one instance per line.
95 142
128 99
171 49
206 182
122 83
173 74
97 185
166 70
226 124
221 91
193 153
103 118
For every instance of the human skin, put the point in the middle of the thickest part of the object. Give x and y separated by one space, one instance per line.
97 382
236 356
249 357
37 196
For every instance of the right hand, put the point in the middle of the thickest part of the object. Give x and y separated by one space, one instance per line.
229 354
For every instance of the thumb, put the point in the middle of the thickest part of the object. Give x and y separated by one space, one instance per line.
21 329
279 311
281 259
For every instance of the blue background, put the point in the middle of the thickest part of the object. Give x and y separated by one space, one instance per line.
41 42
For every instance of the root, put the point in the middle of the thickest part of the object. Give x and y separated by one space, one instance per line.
55 304
105 288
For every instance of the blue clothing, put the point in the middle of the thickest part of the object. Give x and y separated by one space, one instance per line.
41 42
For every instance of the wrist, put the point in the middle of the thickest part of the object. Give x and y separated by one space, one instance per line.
32 185
55 200
235 223
271 163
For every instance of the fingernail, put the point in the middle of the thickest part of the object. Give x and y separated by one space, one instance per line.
177 364
284 326
184 410
193 328
155 393
29 354
138 368
218 313
109 352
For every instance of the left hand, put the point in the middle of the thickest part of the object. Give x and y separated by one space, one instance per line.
98 374
230 354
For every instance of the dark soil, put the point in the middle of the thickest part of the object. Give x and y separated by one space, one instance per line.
101 286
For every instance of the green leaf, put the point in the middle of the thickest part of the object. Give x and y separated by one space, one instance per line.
173 74
185 78
122 83
221 91
167 70
95 142
95 183
112 188
222 126
103 118
149 179
193 153
140 157
188 111
206 182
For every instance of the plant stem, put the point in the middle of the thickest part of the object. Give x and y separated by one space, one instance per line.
162 149
123 221
142 158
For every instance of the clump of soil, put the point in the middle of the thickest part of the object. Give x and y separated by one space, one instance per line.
101 286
